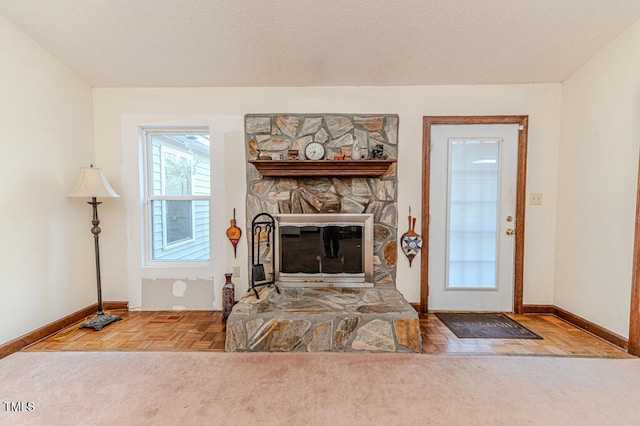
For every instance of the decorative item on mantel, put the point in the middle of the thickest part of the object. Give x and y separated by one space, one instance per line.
410 241
234 233
377 153
355 150
292 154
262 156
228 297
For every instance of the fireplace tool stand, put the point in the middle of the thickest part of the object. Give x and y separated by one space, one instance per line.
262 244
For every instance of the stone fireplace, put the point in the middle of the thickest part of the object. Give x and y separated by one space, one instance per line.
337 234
273 135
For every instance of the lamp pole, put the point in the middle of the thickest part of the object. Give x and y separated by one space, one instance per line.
101 319
96 235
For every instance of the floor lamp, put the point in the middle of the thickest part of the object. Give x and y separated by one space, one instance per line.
92 183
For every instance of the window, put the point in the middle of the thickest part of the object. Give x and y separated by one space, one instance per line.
177 183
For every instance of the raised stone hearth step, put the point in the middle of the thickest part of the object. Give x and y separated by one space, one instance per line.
324 319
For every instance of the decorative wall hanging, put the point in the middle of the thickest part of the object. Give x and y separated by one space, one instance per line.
411 242
234 233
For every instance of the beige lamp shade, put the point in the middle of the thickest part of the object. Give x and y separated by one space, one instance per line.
92 183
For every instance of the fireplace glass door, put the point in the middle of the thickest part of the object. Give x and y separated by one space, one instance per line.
322 250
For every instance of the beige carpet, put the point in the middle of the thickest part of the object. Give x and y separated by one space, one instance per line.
106 388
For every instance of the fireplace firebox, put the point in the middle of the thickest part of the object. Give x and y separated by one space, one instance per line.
329 250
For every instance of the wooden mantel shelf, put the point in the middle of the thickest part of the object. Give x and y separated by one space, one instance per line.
318 168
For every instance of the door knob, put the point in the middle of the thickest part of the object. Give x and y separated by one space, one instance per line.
509 218
510 231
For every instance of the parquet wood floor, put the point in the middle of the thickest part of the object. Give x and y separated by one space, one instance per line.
205 331
144 331
559 338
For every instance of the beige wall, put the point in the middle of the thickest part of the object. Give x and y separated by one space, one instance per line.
118 110
597 185
578 253
46 133
578 250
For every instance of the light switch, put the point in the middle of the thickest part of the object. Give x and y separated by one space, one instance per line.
236 271
535 198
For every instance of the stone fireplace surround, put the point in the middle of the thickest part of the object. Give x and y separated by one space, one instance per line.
376 319
275 134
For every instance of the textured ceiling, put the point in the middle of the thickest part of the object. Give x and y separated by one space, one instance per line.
190 43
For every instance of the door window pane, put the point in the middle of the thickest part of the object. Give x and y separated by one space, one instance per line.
473 211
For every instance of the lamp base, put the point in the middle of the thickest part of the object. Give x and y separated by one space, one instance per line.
100 321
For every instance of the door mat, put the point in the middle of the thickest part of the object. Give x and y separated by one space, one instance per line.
485 326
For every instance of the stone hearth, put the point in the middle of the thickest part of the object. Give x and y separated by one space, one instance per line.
324 319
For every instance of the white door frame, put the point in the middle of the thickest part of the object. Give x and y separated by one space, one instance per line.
521 120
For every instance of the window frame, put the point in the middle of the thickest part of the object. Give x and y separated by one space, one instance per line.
148 199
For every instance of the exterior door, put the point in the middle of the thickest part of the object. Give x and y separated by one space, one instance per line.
472 199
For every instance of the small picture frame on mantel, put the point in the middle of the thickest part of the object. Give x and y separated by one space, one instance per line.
293 154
